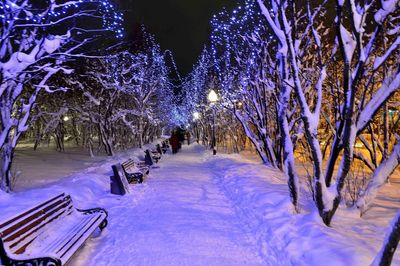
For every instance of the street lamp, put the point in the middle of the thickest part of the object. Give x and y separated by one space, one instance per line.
196 116
213 98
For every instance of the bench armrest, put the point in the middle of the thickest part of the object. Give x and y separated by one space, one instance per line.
104 223
10 259
93 210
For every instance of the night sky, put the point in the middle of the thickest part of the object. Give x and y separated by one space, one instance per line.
182 26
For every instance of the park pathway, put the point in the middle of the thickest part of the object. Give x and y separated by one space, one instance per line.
182 219
199 209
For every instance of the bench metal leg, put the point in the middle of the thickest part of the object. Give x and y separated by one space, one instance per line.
103 225
34 262
45 261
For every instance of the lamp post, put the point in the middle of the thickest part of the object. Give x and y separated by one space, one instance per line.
213 98
196 117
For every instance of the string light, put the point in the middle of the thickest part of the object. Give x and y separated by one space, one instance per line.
111 18
229 30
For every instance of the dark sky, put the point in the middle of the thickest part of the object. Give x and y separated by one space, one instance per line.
183 26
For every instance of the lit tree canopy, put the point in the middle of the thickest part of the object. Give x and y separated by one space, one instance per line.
36 39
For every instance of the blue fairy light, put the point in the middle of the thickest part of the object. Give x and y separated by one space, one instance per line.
229 28
112 19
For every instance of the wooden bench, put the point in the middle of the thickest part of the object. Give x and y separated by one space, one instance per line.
135 172
164 146
159 149
119 184
155 154
151 157
49 233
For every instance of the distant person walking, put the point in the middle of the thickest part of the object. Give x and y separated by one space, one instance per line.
188 137
174 141
181 136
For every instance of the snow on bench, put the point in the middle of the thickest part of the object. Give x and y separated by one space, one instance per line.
151 157
159 149
49 233
135 172
164 146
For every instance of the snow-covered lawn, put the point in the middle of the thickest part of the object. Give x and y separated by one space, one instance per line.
45 166
199 209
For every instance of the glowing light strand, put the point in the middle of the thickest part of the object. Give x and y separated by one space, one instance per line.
229 30
12 13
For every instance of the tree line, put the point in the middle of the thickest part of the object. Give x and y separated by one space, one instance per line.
63 76
316 80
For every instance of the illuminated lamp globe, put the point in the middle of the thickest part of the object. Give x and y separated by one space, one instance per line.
212 96
196 115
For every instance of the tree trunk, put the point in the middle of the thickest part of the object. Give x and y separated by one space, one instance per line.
380 175
75 131
288 158
253 138
286 142
385 132
140 132
385 256
344 168
7 154
106 141
333 156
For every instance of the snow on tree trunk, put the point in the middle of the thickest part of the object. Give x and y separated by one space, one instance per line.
106 139
284 95
333 156
141 132
288 151
378 179
385 255
253 138
7 154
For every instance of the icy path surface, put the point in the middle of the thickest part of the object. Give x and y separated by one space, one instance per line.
183 218
199 209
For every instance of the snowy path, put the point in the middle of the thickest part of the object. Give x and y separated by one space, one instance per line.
183 218
199 209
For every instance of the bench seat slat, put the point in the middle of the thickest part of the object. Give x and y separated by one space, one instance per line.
60 239
66 241
77 241
51 231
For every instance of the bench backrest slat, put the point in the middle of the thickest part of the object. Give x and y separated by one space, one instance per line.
67 246
18 232
128 164
21 244
30 228
35 218
148 159
21 216
159 149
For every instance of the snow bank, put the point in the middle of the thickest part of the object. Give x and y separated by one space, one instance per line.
199 209
260 196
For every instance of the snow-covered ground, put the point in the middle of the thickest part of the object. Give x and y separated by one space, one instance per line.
199 209
46 166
